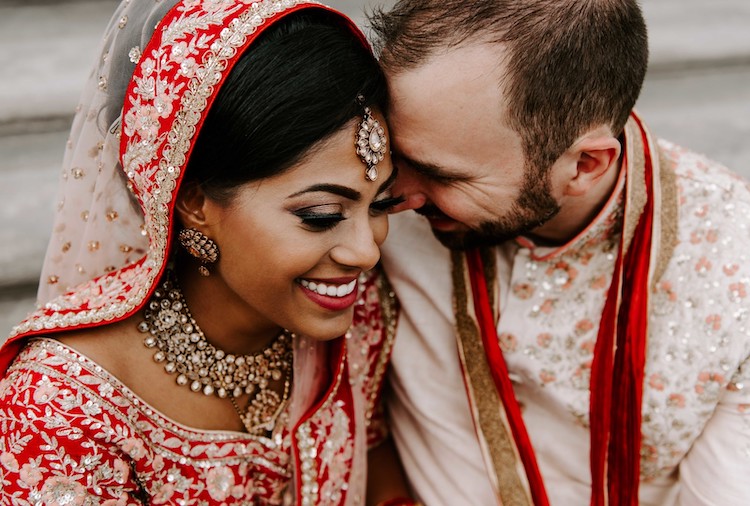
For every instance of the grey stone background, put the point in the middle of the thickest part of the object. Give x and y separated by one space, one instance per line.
697 93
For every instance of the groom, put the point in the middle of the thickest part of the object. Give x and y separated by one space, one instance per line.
575 325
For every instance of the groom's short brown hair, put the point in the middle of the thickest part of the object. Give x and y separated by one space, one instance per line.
571 64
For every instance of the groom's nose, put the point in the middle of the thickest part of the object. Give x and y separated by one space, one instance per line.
409 187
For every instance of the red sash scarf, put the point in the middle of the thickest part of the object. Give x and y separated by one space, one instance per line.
619 355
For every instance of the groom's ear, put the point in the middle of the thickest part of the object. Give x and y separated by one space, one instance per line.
594 155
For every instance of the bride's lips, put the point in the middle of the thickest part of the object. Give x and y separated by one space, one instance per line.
332 294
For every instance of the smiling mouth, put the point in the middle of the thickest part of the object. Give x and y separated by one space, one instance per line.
329 290
330 296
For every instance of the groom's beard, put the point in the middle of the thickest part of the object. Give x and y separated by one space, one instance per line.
534 207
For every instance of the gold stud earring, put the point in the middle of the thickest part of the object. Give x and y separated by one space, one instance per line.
200 246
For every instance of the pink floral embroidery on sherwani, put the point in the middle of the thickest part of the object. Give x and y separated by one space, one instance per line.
698 337
696 391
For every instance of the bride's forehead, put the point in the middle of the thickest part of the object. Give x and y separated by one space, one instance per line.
333 168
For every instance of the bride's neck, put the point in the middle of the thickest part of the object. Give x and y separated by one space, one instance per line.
225 320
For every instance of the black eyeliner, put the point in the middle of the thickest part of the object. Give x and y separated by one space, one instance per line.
318 216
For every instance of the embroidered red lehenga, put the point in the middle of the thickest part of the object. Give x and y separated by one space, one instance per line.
72 433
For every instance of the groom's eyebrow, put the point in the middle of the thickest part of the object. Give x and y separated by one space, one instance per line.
388 182
430 170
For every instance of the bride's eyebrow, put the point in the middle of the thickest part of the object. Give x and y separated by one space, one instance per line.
345 191
336 189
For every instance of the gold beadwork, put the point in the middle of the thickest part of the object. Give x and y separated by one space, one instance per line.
181 346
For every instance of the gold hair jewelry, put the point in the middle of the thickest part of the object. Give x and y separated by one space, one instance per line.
183 349
370 142
200 246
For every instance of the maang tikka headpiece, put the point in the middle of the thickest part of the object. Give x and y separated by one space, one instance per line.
370 142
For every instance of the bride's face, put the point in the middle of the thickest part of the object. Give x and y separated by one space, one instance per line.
292 246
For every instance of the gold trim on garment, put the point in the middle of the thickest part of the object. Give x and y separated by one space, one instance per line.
307 442
505 468
389 318
665 205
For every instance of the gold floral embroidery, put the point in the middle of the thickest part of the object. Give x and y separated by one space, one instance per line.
389 308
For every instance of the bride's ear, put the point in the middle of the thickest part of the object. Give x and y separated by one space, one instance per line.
190 207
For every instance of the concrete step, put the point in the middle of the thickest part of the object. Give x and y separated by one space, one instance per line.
29 167
690 33
706 110
47 52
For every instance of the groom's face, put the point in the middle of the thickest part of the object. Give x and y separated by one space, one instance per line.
460 163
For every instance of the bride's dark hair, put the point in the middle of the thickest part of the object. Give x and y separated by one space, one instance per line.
294 87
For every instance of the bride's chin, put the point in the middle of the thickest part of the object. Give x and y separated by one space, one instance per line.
330 330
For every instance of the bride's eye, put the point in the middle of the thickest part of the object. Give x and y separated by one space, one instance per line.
320 218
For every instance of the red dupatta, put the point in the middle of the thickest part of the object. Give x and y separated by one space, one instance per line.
619 355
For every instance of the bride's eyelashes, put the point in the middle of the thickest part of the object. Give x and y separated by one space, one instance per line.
320 220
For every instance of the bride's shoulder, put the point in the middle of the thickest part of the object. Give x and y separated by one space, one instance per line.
111 346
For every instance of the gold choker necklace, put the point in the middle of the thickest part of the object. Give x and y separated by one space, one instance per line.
181 345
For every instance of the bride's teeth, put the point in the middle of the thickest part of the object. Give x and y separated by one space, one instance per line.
329 290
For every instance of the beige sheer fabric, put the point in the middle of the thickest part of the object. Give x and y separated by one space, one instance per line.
100 228
98 225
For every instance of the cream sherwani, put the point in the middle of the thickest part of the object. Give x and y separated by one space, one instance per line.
696 401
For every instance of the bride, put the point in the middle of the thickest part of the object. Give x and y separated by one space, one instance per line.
212 328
